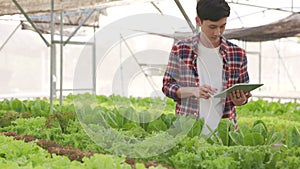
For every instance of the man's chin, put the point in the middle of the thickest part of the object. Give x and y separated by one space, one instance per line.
215 42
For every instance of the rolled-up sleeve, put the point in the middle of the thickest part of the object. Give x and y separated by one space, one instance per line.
244 76
171 76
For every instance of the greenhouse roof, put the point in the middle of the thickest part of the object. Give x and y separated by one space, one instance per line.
42 6
286 27
85 12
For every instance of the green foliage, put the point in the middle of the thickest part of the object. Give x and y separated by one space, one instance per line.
237 137
215 156
260 127
118 120
225 126
293 137
273 137
264 128
13 105
40 108
63 120
196 129
288 163
18 154
221 163
262 108
186 160
105 161
18 106
257 135
168 119
253 139
157 125
6 117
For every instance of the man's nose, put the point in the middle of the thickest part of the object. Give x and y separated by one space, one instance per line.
218 32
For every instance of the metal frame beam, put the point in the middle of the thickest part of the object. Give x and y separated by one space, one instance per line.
266 8
79 26
30 21
9 37
52 46
194 30
62 44
61 57
52 55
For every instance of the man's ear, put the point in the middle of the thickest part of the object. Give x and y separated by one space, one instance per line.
198 21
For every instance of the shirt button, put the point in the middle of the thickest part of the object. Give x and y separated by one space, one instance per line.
196 84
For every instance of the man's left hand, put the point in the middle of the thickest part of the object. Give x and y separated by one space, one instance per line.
239 97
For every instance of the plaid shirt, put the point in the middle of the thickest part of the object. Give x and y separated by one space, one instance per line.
182 72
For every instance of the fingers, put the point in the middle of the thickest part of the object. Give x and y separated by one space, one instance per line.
237 94
239 97
248 94
240 94
206 91
209 89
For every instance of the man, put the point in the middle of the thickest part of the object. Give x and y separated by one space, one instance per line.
205 64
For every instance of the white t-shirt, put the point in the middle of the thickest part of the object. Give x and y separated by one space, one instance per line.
210 68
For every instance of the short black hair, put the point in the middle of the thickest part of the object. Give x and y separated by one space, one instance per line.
213 10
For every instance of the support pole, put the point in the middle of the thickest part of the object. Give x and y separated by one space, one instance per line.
94 64
5 42
30 21
80 25
149 79
185 16
260 62
61 58
52 55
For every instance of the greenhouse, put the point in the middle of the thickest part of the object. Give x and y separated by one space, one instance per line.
83 86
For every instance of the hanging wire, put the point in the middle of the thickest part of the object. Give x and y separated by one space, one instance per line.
264 7
10 36
150 81
284 66
157 8
121 67
239 18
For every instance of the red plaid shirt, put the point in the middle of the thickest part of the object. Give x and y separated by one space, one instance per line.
182 72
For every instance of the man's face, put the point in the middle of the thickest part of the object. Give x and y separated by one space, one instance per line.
212 29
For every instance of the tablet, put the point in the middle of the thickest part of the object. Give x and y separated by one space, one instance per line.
240 86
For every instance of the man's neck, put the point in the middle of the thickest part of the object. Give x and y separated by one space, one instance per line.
207 43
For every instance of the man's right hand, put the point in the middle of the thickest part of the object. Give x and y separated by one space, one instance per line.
203 91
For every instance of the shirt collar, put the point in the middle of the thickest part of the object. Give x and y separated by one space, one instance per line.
223 45
195 43
224 48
